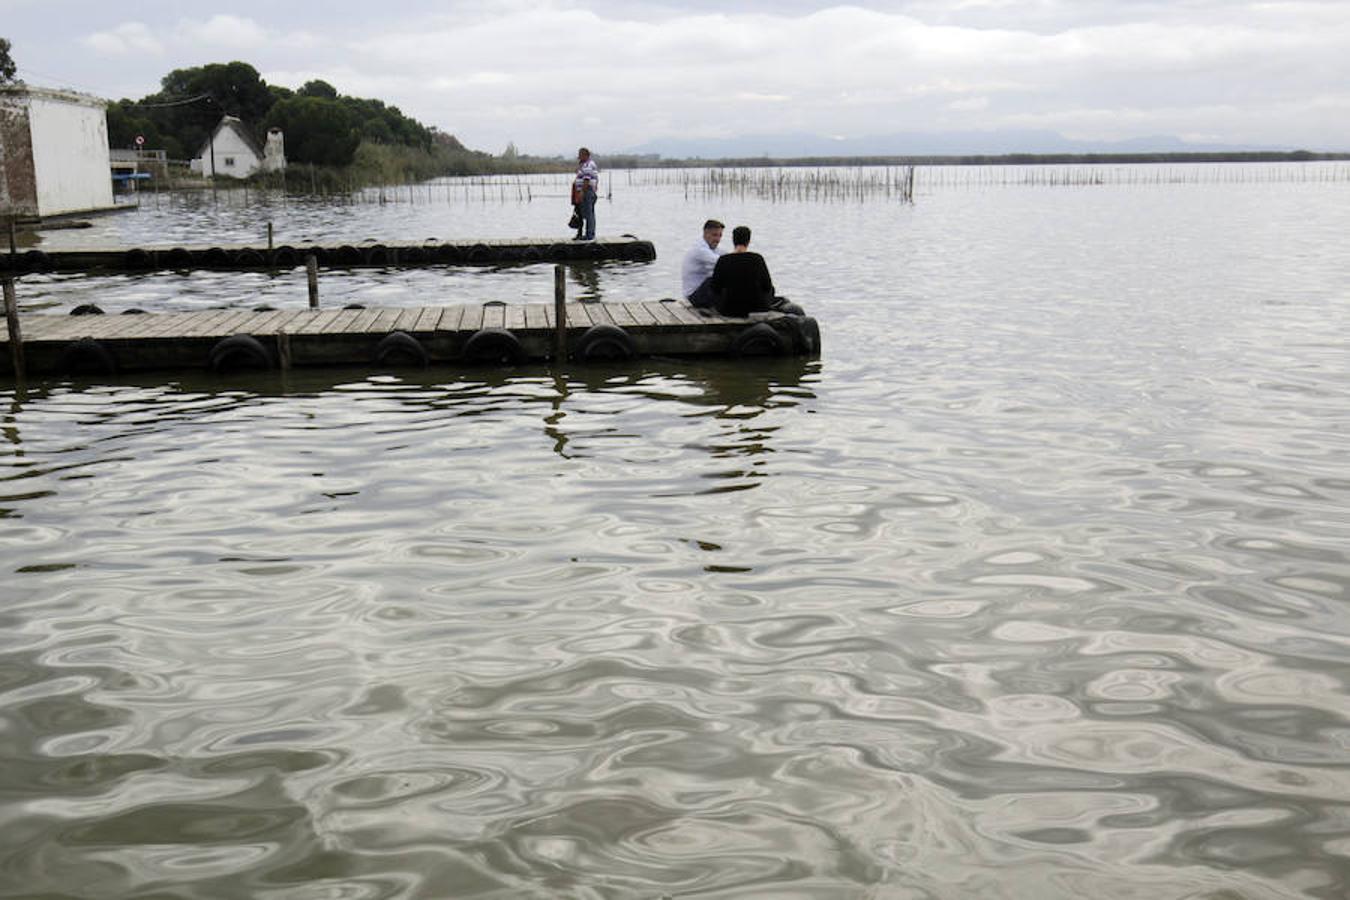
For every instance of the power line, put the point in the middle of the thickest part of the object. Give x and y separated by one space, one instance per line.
174 103
66 83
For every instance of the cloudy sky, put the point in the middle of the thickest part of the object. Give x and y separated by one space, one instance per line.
550 74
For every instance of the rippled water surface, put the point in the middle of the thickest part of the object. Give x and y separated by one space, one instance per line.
1035 585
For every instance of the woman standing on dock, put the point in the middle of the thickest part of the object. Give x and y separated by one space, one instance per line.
586 186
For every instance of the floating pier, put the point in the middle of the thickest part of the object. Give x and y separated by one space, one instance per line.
492 334
288 256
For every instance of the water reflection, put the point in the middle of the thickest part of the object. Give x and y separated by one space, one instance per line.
586 276
1039 591
734 392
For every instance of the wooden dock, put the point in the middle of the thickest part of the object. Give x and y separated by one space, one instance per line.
492 334
287 256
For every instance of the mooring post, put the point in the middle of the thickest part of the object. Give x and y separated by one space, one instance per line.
13 239
15 334
312 269
269 235
283 350
560 313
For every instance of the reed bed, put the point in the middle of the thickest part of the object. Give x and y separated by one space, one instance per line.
1014 175
474 189
840 184
829 184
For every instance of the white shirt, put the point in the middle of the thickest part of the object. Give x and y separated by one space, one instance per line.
588 171
698 265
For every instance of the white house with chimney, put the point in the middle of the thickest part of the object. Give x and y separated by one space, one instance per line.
53 153
231 152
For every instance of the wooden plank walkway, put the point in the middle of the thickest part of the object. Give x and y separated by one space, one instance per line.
367 254
423 335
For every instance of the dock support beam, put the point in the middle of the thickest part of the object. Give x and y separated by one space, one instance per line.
560 313
283 350
312 269
12 322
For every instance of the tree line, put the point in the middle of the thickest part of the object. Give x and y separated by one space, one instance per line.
321 126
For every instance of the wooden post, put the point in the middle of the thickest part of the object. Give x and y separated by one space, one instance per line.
312 269
13 240
560 312
283 350
15 334
211 138
269 235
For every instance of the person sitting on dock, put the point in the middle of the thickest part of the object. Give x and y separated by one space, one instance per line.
587 187
740 280
696 270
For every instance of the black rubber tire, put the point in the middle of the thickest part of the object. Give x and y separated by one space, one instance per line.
133 311
760 339
178 258
376 255
250 258
412 255
286 257
138 260
533 253
355 306
640 251
398 348
808 336
34 261
608 343
346 255
88 357
87 309
448 253
493 346
216 258
239 351
479 253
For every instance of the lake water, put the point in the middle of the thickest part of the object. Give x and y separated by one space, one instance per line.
1034 585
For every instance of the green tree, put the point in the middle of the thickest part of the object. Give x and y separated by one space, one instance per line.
318 88
7 66
317 131
126 120
217 89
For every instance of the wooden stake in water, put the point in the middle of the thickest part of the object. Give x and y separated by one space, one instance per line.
560 312
312 269
12 321
283 350
269 235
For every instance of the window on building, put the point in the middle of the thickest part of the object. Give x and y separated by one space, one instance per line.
229 161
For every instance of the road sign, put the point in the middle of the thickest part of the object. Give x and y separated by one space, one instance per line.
140 140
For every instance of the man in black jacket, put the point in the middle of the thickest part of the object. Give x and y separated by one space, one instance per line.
741 279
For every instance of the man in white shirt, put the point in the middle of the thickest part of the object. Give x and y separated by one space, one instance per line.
585 190
696 270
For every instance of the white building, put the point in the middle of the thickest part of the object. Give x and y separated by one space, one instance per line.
231 152
53 153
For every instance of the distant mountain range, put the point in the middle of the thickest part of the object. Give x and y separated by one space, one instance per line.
945 143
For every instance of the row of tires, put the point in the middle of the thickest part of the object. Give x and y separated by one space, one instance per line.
349 255
488 346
